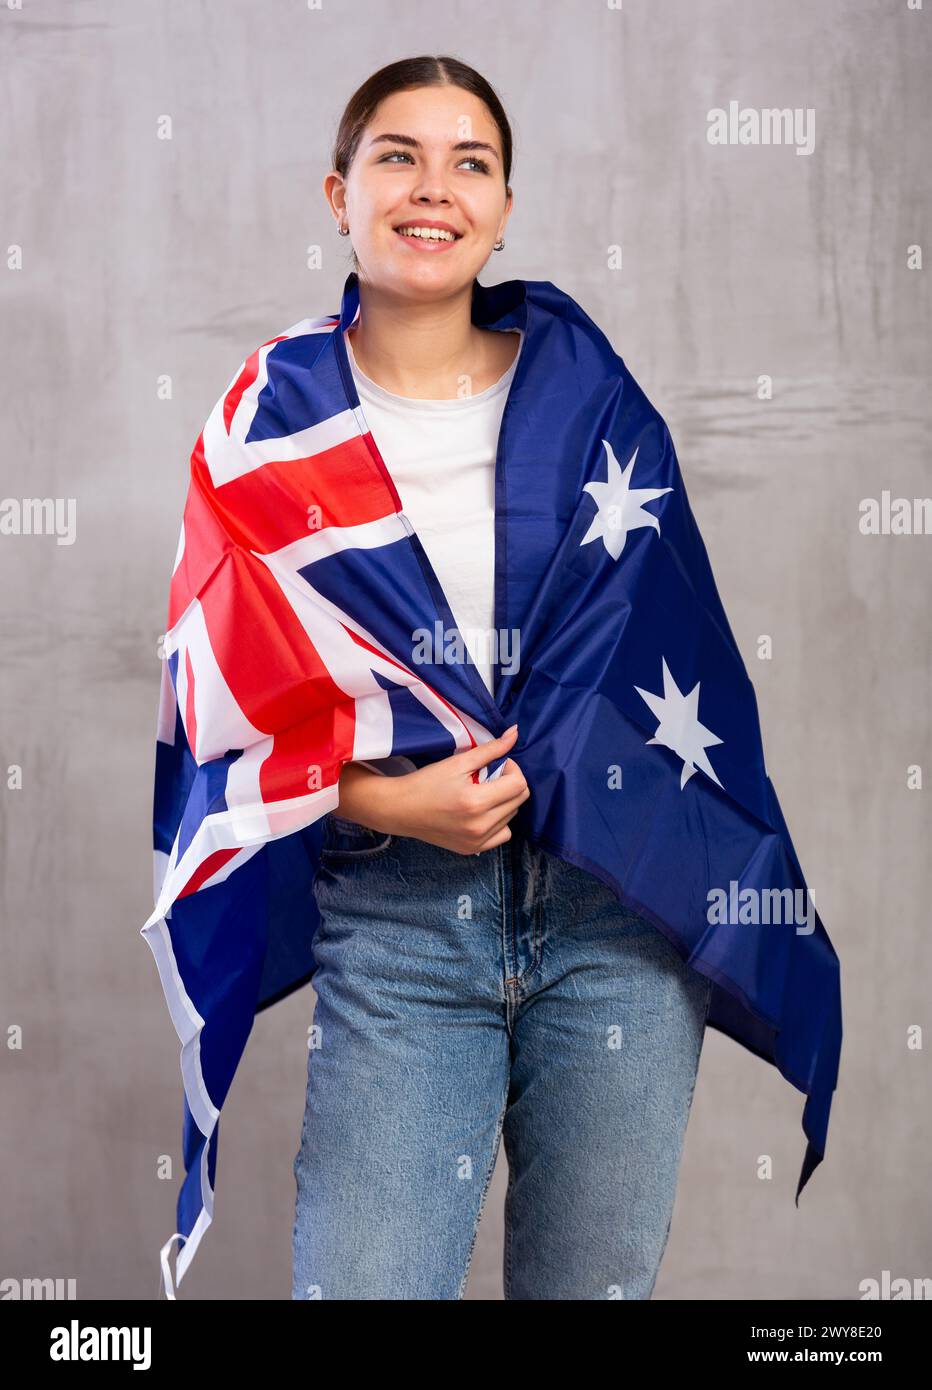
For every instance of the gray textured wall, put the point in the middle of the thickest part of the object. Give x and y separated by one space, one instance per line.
142 257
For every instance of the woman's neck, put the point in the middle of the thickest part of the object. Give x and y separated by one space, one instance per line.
427 351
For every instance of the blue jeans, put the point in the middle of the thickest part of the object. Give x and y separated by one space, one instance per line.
464 999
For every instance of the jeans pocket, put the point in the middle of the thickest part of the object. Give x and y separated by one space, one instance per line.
347 839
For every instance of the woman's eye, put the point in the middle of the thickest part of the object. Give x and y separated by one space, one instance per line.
480 164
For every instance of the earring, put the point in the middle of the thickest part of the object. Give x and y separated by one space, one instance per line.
499 245
343 229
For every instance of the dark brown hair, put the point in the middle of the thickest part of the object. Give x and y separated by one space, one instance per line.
402 76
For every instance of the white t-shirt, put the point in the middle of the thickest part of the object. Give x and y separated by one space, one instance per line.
441 455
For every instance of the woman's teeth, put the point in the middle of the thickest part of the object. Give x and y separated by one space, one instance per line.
426 233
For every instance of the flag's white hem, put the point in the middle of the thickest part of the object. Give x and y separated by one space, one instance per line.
219 831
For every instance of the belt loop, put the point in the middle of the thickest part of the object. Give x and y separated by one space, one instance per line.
538 875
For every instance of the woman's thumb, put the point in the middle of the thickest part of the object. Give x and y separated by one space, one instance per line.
483 753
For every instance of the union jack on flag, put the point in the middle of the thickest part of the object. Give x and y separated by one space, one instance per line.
297 588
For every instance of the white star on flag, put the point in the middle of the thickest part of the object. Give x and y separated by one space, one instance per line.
679 728
619 505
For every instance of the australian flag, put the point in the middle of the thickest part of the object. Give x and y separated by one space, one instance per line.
298 601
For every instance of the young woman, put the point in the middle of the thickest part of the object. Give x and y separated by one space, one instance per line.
468 981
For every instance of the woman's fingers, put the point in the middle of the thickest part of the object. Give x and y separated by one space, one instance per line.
471 759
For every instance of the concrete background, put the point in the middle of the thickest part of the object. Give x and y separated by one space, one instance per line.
143 257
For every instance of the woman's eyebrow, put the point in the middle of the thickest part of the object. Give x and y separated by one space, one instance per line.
416 144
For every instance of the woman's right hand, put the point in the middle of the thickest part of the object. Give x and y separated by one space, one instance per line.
440 803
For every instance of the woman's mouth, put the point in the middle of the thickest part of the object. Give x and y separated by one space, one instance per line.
431 239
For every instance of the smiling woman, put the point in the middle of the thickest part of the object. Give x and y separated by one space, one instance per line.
421 164
513 949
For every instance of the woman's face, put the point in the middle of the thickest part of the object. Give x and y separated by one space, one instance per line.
414 166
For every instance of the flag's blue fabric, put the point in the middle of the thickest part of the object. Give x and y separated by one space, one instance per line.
290 651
